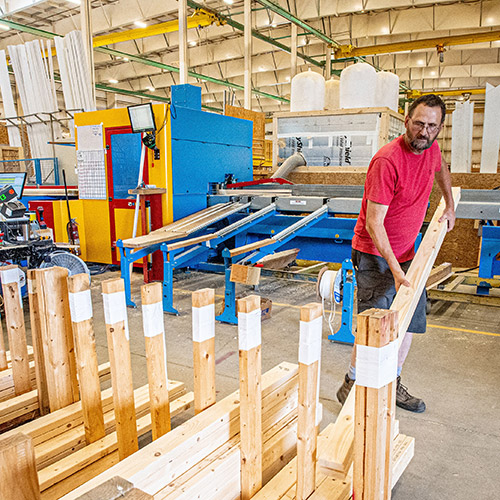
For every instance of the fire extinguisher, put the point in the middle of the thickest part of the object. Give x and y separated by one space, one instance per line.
72 226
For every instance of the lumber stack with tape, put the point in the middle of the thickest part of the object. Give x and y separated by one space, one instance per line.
79 440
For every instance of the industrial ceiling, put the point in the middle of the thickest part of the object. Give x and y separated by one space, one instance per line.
438 45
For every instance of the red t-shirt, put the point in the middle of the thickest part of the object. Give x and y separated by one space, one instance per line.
403 180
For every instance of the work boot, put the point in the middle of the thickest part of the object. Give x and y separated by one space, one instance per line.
345 388
406 401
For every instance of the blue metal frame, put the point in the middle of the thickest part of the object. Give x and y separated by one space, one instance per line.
489 265
38 169
344 334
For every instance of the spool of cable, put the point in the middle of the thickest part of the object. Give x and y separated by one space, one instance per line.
328 289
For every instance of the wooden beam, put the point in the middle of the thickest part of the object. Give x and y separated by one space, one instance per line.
311 327
115 314
36 338
3 352
439 274
18 477
16 331
249 340
86 356
251 246
156 465
376 364
407 298
57 336
156 357
203 320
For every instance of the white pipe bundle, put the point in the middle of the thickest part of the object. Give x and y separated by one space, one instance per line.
9 107
74 71
37 92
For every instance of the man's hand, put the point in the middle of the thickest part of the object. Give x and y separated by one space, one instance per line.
449 216
400 279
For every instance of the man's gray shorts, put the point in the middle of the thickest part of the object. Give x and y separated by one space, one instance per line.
376 287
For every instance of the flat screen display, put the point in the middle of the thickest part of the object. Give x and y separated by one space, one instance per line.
142 118
15 179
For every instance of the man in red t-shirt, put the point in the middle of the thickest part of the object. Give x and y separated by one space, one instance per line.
397 189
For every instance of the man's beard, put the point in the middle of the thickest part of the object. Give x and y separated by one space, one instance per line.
419 145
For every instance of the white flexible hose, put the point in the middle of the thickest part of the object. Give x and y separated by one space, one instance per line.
326 292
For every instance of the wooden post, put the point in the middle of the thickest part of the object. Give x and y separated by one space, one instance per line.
156 355
18 475
86 356
16 331
36 339
204 348
3 354
376 370
57 336
249 339
115 314
309 362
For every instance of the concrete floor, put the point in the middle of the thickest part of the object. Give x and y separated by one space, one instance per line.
454 367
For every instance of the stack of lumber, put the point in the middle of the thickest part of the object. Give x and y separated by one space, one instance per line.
201 458
79 438
64 460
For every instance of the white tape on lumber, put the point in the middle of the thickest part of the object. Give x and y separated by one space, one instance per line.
376 366
10 275
115 309
203 323
249 330
80 306
32 286
152 319
310 341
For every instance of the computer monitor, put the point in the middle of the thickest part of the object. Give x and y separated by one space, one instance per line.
142 118
15 179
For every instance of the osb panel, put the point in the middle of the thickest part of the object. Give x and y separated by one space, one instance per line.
4 136
461 246
259 125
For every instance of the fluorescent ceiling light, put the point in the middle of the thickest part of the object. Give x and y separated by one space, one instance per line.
192 43
140 24
112 80
229 2
4 27
151 89
126 59
77 2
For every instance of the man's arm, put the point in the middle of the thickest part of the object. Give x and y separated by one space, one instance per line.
375 216
443 178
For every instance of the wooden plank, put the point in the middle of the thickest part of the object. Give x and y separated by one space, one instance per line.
18 477
27 404
251 246
404 449
156 357
93 453
248 275
190 241
407 298
57 336
115 313
36 336
203 321
249 340
309 360
3 352
439 274
156 465
279 260
86 356
14 319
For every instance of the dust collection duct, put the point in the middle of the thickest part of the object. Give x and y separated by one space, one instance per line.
289 165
